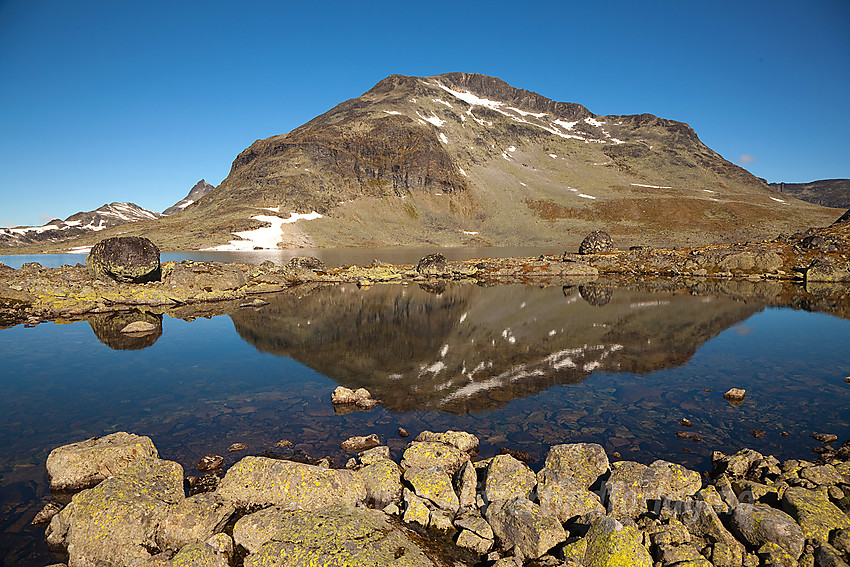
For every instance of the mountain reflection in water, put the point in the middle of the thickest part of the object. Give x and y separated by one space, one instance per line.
471 348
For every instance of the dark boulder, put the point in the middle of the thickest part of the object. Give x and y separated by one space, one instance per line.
432 264
307 263
127 259
595 242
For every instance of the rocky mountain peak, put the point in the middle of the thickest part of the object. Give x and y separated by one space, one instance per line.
200 189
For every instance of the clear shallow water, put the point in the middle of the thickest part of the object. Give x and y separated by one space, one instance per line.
522 367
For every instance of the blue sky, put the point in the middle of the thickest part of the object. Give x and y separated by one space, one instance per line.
106 101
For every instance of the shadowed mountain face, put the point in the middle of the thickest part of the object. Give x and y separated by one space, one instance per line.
472 348
466 159
826 192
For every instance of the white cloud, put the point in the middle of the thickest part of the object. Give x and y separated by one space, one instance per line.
746 159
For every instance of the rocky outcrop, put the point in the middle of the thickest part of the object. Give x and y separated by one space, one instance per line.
126 259
754 511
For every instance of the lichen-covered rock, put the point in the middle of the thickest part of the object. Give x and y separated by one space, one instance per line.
565 497
426 454
261 481
464 441
508 478
610 544
815 514
194 520
415 509
702 521
381 481
128 259
466 482
310 263
432 264
116 521
435 485
253 530
473 541
373 455
354 537
84 464
828 556
207 277
823 475
199 555
757 525
595 242
825 270
632 485
519 524
584 462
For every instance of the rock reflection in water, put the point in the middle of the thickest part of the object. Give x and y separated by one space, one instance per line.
470 348
107 328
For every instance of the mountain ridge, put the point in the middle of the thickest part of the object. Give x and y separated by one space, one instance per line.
466 159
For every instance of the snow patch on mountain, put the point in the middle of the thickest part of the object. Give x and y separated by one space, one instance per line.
264 238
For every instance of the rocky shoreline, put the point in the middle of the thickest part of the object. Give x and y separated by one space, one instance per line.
810 271
439 506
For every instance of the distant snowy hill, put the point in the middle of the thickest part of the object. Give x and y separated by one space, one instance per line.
107 216
200 189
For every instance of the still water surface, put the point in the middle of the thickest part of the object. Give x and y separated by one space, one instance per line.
522 367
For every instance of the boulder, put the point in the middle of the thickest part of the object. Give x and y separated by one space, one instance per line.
432 264
194 520
508 478
520 525
825 270
815 514
117 520
261 481
426 454
435 485
354 537
584 462
415 509
757 525
85 464
308 263
381 481
200 555
209 277
610 543
565 497
127 259
595 242
632 485
702 521
466 482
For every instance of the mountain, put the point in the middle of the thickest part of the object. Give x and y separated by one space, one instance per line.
466 159
79 224
200 189
826 192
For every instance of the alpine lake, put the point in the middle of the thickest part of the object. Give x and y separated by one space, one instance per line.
523 367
